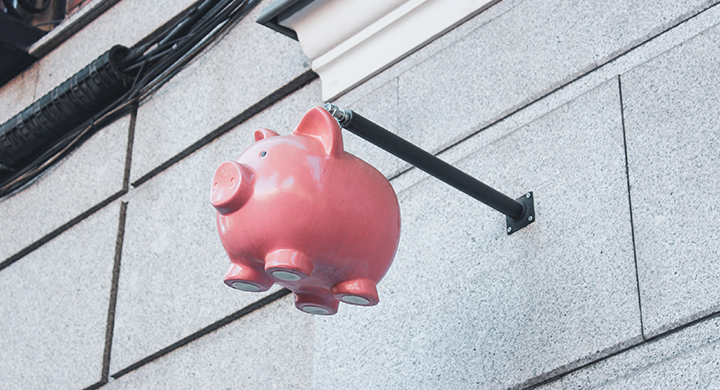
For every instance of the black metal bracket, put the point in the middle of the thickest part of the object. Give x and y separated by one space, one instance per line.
519 212
528 217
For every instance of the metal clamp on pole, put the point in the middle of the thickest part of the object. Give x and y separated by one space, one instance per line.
519 212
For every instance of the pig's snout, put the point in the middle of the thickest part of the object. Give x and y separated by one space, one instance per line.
232 186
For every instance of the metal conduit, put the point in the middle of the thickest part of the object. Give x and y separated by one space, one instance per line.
519 212
28 134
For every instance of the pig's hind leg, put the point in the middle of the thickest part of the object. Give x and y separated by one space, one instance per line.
245 277
361 291
288 265
321 303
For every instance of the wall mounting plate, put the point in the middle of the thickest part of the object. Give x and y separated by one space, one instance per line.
528 217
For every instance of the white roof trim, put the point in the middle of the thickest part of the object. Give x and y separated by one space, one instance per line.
349 41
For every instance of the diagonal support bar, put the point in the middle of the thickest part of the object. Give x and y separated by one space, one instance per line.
520 213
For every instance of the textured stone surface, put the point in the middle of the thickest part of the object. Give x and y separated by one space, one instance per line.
638 56
519 57
91 174
249 64
672 130
688 359
466 306
270 348
380 106
173 262
17 94
54 307
504 309
126 23
430 49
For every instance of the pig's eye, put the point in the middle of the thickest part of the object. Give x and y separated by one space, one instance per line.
263 153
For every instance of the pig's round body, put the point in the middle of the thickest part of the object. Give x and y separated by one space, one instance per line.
311 217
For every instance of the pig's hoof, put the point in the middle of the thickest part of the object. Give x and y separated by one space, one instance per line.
357 292
246 278
288 265
316 304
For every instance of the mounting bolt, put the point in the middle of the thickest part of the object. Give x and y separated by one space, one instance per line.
528 216
342 116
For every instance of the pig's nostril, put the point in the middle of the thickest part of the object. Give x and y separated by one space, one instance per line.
231 187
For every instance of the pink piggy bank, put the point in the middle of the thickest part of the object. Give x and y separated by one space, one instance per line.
299 211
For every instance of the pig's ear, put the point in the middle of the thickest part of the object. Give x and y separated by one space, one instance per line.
264 133
319 124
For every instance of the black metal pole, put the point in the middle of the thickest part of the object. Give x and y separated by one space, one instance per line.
427 162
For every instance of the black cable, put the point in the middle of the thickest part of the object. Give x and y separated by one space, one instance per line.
51 22
150 64
199 37
183 27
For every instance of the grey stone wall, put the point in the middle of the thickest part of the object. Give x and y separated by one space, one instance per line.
111 268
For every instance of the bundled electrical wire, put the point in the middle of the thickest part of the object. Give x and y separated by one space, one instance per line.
53 126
